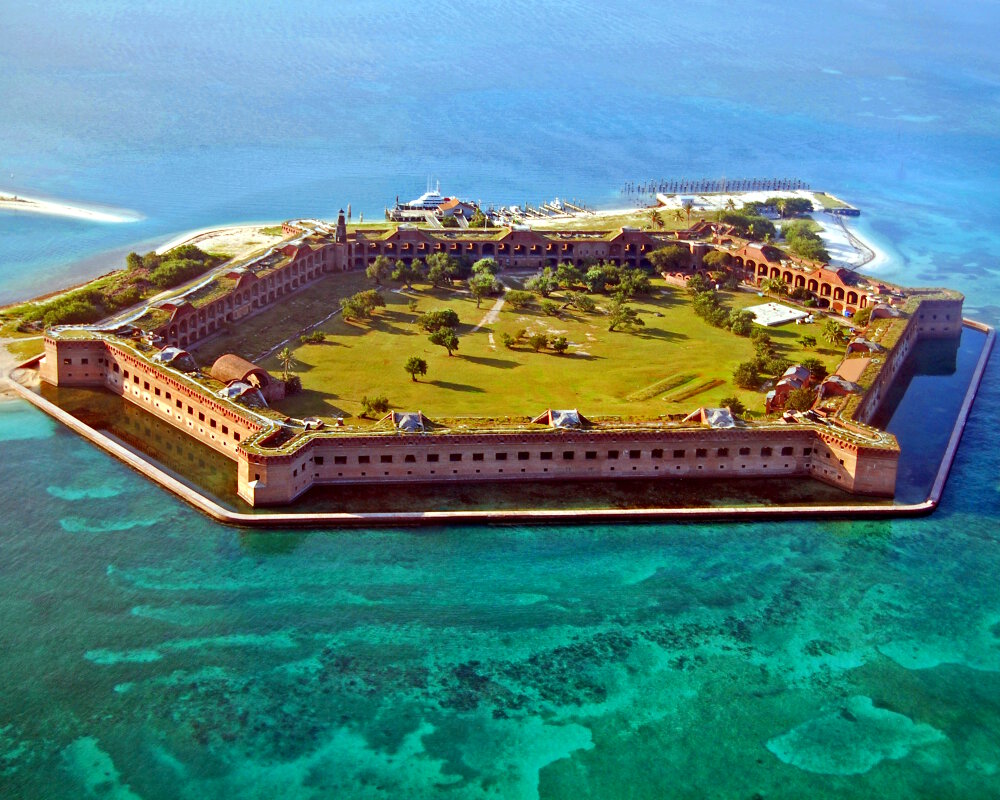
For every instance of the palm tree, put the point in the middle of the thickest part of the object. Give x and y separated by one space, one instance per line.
730 204
286 359
770 285
834 332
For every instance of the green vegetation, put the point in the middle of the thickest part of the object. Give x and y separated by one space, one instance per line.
272 230
374 405
361 306
803 240
143 277
672 364
415 366
748 225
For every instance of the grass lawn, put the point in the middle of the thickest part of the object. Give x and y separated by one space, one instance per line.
674 364
639 218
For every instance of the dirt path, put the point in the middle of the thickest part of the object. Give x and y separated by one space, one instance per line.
491 317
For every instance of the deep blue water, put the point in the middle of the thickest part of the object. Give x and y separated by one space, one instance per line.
147 652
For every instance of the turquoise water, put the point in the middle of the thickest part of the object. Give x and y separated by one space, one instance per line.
147 652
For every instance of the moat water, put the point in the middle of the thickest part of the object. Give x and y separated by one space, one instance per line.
147 652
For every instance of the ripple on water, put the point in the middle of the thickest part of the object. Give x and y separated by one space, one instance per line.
852 739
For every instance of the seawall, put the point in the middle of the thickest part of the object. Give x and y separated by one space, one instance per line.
525 516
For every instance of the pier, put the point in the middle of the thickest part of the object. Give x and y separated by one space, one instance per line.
710 186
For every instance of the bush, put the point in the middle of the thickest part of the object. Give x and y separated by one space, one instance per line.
293 385
518 298
746 375
550 308
376 405
316 337
734 404
800 399
559 344
862 317
433 321
507 340
538 341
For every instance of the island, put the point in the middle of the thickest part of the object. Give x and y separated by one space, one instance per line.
568 346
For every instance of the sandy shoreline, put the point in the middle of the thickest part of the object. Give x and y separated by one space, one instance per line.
12 201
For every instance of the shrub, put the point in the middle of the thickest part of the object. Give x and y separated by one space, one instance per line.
538 341
293 385
559 344
507 340
551 308
376 405
518 298
746 375
733 403
433 321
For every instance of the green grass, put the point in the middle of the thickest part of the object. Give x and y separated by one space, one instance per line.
639 218
620 374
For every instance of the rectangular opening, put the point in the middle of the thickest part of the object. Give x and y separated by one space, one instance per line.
656 452
590 455
723 452
612 454
744 451
385 459
546 456
340 459
477 456
432 458
500 456
455 457
523 455
678 454
568 455
701 452
364 460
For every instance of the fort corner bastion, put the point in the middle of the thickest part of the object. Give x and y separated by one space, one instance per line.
276 460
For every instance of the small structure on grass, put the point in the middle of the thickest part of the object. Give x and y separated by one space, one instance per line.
568 419
231 368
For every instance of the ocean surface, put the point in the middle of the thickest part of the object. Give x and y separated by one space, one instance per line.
146 652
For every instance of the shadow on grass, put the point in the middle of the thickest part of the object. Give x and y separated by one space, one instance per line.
659 333
500 363
456 387
309 402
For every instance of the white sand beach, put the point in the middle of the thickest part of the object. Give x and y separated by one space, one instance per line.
235 241
12 201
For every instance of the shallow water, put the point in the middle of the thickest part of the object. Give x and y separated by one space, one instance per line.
147 652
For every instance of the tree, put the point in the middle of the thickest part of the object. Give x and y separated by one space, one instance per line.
834 332
445 337
568 275
374 406
862 316
741 322
733 403
286 359
518 298
133 261
415 366
407 273
550 308
800 399
362 304
433 321
486 265
803 240
655 220
697 284
441 269
507 340
580 301
479 220
622 316
807 341
817 369
559 344
747 225
379 269
790 206
538 341
543 283
746 375
599 276
633 282
483 284
672 258
717 260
